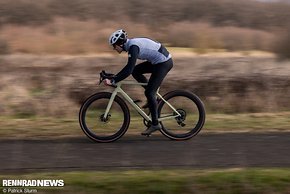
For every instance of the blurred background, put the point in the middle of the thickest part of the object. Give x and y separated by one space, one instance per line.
81 27
233 54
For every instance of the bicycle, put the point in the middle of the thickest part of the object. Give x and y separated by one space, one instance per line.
105 117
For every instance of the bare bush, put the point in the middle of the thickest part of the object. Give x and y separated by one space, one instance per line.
246 13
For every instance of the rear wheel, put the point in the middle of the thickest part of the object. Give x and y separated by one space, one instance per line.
191 119
98 127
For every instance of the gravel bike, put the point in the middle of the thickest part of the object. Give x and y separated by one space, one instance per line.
105 117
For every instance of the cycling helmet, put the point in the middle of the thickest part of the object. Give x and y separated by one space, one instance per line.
119 37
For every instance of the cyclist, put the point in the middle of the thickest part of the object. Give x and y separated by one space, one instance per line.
158 62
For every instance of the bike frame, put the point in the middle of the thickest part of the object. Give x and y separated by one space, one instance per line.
118 89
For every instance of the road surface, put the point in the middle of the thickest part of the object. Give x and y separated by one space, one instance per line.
230 150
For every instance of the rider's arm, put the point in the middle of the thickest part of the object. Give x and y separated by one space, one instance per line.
128 69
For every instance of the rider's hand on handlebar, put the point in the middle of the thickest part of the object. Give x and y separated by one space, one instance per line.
107 82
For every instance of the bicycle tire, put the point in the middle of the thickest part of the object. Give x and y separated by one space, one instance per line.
200 116
84 114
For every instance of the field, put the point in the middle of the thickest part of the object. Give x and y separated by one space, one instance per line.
241 91
56 85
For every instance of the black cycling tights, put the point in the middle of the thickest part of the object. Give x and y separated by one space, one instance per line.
158 73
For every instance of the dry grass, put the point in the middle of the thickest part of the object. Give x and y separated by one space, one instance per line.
56 85
60 37
204 36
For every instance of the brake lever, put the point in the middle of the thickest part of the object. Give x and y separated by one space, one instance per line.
104 75
101 77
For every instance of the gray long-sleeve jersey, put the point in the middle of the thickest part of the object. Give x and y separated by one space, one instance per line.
143 49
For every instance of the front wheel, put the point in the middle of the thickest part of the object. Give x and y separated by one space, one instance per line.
98 127
191 115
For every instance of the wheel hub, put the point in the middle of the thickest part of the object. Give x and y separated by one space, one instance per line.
180 119
105 120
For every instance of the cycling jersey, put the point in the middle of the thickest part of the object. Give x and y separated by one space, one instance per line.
143 49
149 50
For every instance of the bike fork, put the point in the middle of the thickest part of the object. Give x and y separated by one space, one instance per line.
110 103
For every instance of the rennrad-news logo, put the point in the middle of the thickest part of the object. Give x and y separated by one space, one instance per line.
32 183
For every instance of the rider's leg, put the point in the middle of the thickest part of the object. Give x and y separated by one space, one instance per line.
157 76
140 69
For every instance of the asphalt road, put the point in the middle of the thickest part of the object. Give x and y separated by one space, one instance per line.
228 150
